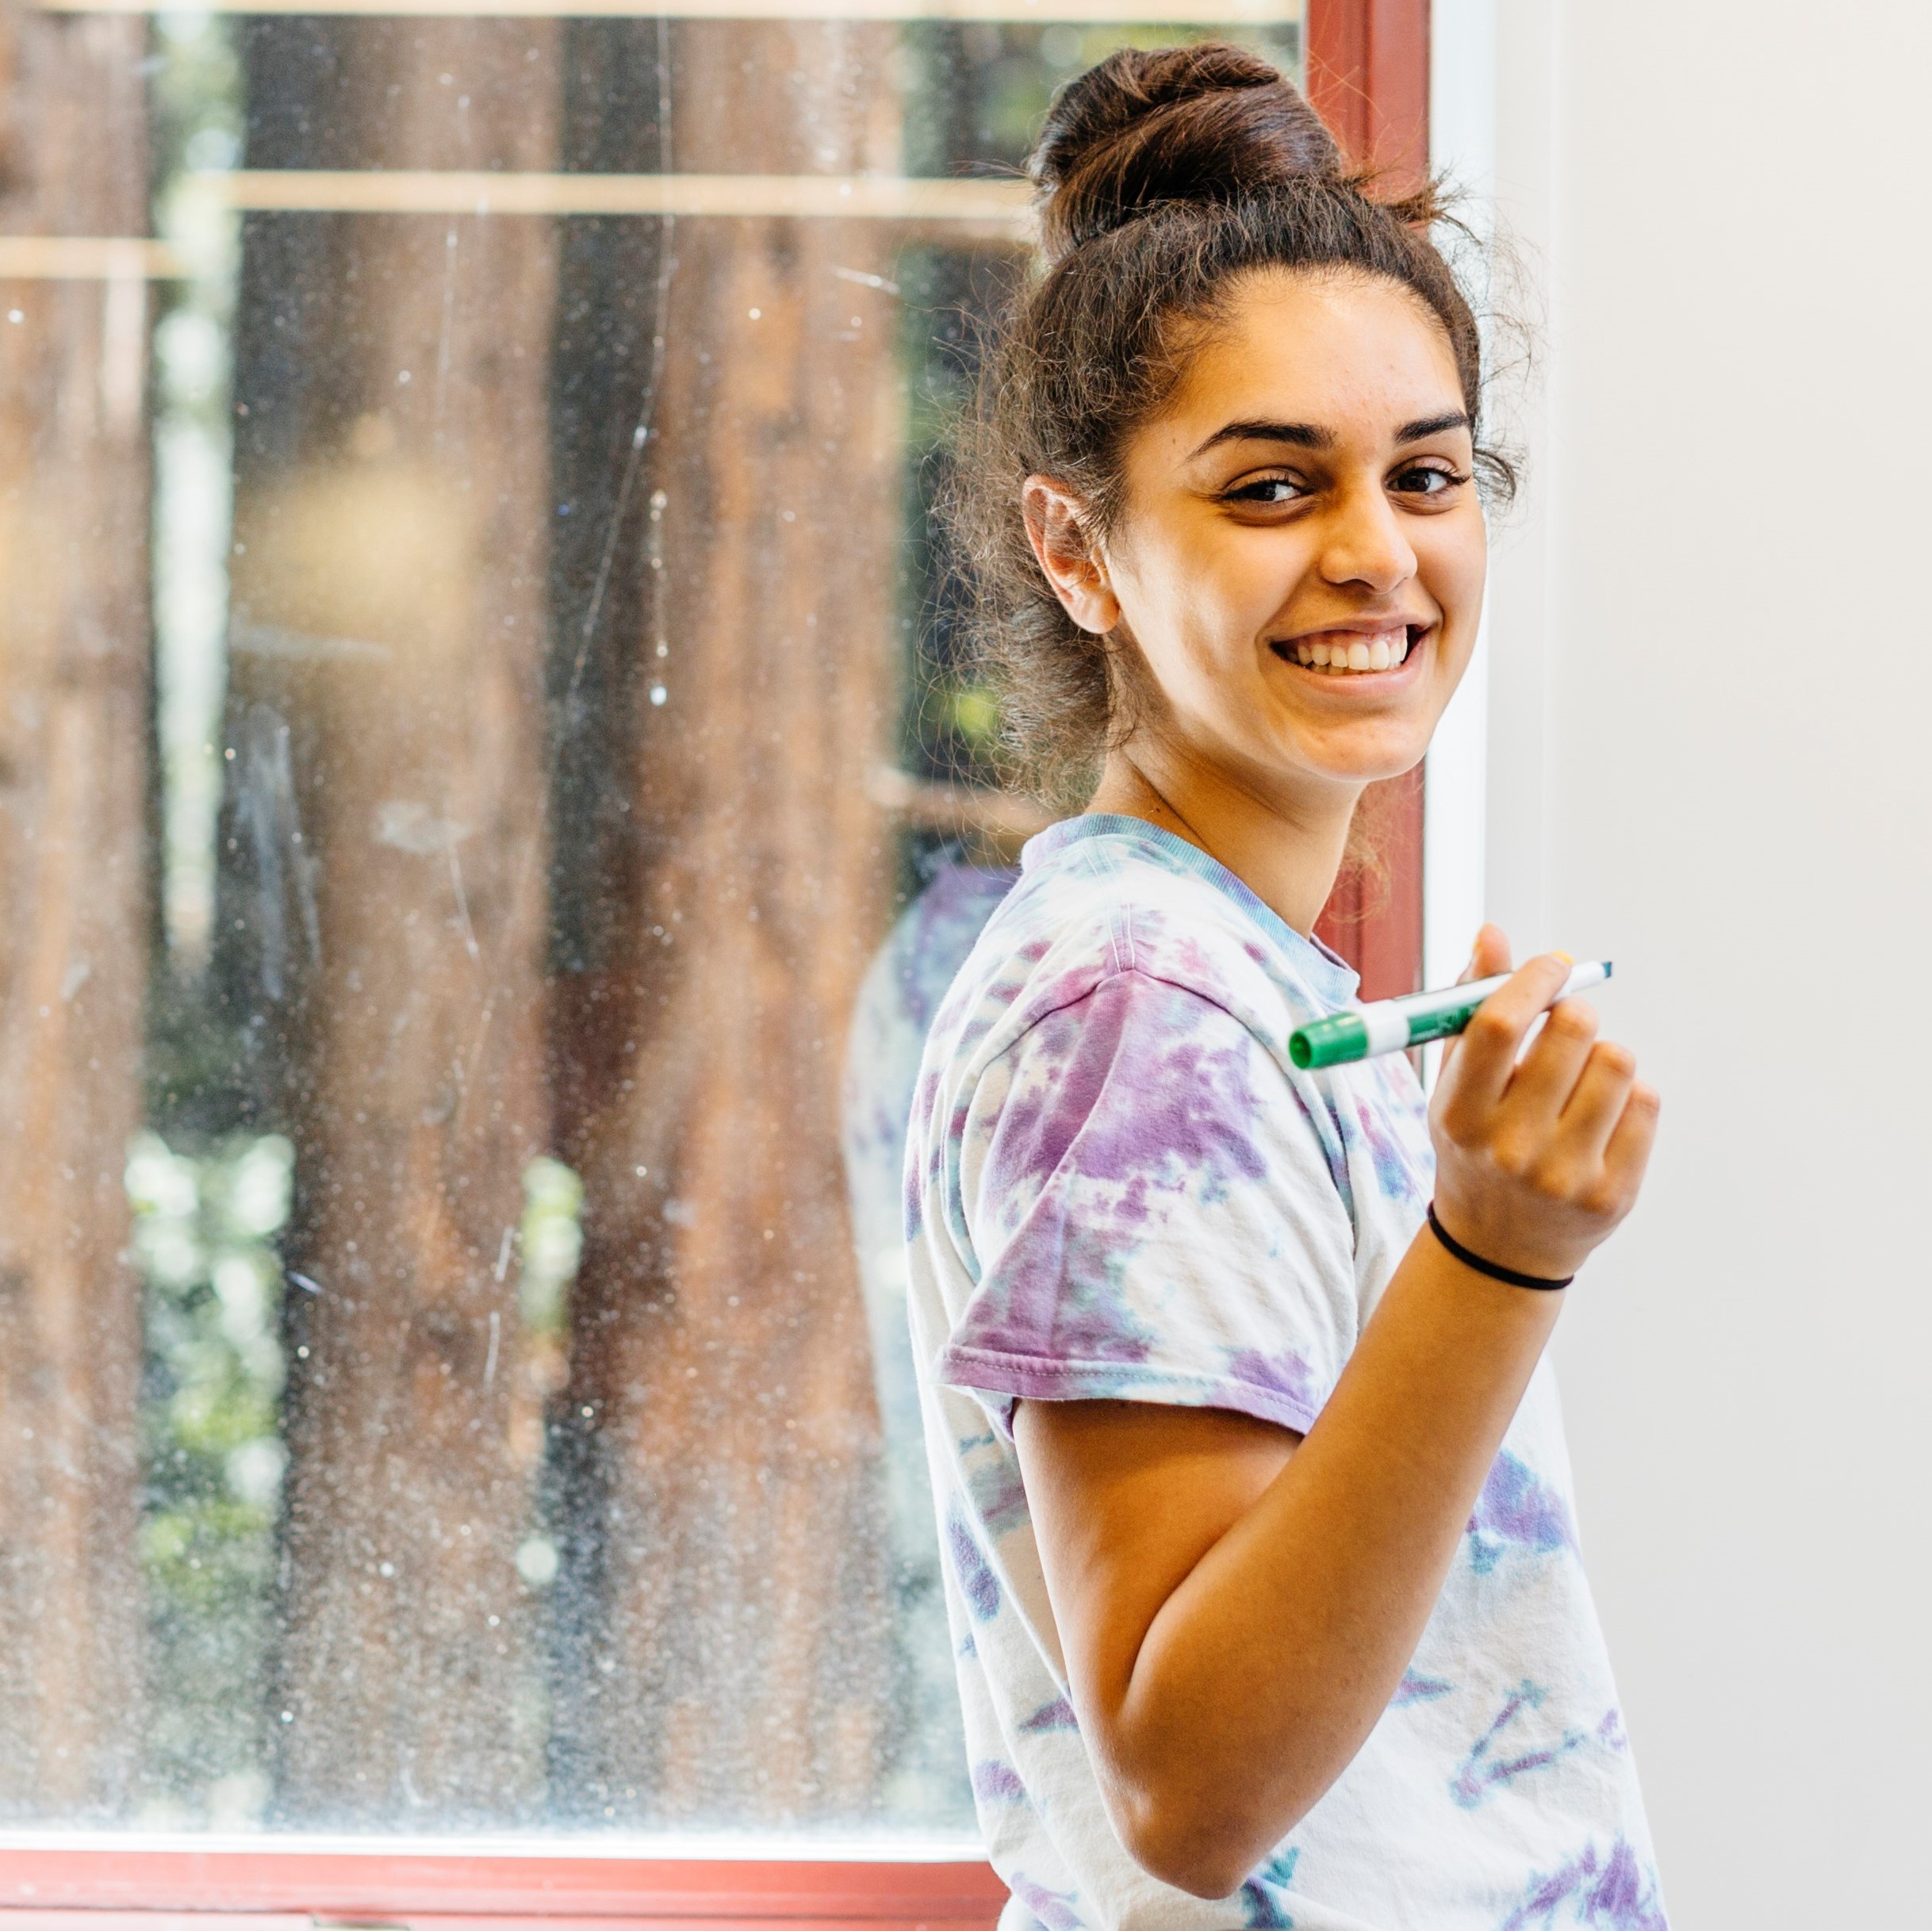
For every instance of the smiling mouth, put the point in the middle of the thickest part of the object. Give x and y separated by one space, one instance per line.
1349 654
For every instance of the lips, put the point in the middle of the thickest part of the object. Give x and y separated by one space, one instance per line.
1347 653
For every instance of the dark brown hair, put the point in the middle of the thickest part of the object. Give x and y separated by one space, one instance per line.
1162 179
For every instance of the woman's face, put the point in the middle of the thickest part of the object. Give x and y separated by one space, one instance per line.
1299 560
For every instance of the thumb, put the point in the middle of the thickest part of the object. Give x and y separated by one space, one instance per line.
1488 956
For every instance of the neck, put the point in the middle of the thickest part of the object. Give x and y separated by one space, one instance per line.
1286 852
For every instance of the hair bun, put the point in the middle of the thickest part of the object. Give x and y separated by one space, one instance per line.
1208 122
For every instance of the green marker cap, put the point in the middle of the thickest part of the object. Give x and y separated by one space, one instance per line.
1330 1041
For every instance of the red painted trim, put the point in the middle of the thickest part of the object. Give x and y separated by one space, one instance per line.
1368 76
265 1889
1374 917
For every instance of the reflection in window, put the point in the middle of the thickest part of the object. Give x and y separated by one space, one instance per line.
478 694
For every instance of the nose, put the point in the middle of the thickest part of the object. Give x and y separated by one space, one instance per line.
1365 545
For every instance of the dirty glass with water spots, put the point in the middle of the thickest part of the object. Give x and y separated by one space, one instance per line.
477 690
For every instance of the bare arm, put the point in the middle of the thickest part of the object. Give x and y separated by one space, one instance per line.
1237 1604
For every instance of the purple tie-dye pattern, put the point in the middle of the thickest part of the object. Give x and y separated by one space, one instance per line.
1263 1912
906 985
1515 1510
1054 1300
1058 1714
941 929
1285 1375
994 1782
917 1179
1128 1193
1415 1688
978 1584
1130 1110
916 968
998 1495
1397 1178
1481 1775
1052 1909
1615 1894
1188 1109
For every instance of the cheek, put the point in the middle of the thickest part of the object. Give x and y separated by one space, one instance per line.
1176 600
1217 588
1452 567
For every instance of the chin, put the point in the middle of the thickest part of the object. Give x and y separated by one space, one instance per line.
1367 760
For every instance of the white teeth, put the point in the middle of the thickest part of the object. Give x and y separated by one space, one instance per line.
1384 651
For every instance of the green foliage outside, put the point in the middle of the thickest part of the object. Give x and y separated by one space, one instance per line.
204 1229
551 1242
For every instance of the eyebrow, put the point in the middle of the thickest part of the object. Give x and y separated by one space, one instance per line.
1310 435
1303 436
1432 425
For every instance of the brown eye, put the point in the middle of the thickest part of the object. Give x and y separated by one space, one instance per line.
1424 479
1269 490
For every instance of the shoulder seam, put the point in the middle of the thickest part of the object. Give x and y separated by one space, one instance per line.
1103 976
1090 863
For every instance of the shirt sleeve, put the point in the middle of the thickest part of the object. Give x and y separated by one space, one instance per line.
1154 1216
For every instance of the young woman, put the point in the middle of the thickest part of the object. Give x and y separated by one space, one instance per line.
1262 1575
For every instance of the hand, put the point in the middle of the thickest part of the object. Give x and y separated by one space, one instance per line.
1537 1157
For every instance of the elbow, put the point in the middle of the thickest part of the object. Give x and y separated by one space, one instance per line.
1188 1857
1199 1845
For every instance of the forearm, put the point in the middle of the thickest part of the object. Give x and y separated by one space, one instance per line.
1261 1674
1237 1608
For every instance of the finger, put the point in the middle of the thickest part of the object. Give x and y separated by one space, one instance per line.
1628 1153
1547 1074
1597 1101
1493 1039
1488 956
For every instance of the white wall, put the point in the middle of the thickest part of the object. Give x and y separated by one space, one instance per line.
1708 706
1462 129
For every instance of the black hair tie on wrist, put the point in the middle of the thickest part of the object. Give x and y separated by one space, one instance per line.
1489 1267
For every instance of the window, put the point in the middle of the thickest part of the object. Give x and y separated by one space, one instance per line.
476 690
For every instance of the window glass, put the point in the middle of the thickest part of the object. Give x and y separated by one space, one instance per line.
477 691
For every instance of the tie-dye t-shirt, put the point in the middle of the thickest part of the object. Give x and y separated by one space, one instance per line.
1119 1186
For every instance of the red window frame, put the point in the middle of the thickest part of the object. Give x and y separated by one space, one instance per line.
1368 76
104 1887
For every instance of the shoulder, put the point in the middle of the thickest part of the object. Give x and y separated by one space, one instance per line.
1117 906
1125 957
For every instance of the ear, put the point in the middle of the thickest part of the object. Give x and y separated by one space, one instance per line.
1072 565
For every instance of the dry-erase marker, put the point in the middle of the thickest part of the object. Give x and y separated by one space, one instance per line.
1389 1025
